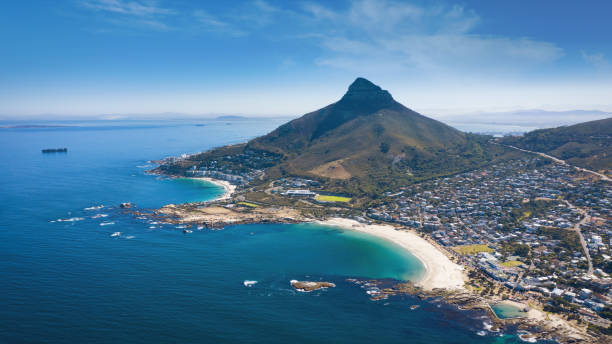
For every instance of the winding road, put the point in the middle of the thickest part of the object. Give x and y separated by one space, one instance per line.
576 228
559 161
585 216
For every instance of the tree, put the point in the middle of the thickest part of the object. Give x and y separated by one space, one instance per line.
521 250
384 147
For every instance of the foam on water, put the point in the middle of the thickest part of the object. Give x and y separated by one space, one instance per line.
72 219
95 207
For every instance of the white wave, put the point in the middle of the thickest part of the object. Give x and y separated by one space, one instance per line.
523 336
95 207
116 234
72 219
107 223
97 216
130 237
481 333
248 283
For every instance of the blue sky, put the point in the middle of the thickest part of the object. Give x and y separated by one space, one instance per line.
266 57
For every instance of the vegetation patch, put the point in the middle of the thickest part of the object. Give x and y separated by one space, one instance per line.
248 204
511 264
472 249
326 198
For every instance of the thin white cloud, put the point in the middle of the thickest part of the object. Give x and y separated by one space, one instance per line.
377 16
143 14
598 61
208 22
135 8
318 11
153 14
392 36
265 6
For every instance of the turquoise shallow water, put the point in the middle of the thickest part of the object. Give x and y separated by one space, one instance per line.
67 282
506 311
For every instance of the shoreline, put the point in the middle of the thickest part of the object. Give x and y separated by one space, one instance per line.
228 188
441 278
440 271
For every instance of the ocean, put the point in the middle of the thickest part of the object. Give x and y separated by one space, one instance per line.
74 272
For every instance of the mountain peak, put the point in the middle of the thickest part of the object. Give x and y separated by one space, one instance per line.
362 98
364 90
363 84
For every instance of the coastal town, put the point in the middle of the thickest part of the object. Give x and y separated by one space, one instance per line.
529 231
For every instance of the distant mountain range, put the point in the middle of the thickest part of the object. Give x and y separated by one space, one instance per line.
586 144
534 117
231 118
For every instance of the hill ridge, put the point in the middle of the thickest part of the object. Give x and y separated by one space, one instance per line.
364 143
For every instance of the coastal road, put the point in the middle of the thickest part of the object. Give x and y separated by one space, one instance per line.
559 161
576 228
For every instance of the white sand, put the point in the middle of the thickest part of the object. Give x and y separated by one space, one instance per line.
440 271
229 188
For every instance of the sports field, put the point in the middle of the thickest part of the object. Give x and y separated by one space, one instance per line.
472 249
324 198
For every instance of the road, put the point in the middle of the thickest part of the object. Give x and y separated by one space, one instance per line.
562 162
576 228
585 216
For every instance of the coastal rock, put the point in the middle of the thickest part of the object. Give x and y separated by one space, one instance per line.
217 216
126 205
310 286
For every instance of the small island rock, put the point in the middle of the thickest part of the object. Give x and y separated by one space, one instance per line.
310 286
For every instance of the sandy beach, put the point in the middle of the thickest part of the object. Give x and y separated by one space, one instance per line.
229 188
440 271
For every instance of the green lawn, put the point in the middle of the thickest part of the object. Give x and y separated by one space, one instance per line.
472 249
511 263
249 204
324 198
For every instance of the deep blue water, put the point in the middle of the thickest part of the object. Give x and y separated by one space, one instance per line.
73 282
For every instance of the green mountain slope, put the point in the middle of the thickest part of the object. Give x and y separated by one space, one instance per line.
586 144
367 133
362 105
363 144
